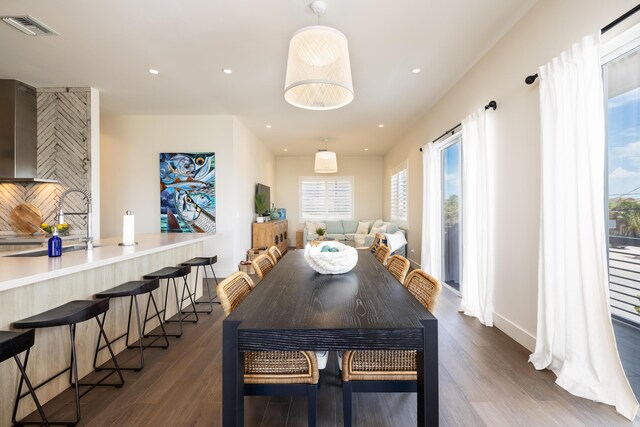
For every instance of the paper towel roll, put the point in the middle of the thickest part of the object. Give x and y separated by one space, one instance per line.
128 229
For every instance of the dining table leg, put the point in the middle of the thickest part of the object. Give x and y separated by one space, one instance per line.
232 376
428 398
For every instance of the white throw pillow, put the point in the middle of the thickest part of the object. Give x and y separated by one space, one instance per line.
312 226
378 223
375 230
363 227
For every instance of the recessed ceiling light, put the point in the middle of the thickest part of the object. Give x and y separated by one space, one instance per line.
415 70
154 71
227 71
380 125
366 149
286 149
268 126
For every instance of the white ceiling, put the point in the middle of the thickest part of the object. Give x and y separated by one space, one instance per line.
111 44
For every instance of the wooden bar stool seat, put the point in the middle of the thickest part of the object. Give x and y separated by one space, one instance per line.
12 343
133 289
205 262
170 274
70 314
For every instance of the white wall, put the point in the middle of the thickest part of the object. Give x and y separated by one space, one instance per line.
367 174
254 163
130 147
549 28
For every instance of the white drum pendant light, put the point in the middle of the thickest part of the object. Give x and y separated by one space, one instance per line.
318 67
326 162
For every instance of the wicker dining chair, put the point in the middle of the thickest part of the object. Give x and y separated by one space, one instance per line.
274 254
378 239
232 290
398 266
382 253
378 371
272 373
262 264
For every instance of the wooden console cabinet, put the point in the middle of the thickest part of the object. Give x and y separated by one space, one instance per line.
271 233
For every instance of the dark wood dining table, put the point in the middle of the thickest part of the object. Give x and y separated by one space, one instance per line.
295 308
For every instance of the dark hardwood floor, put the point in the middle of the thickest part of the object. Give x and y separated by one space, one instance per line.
485 380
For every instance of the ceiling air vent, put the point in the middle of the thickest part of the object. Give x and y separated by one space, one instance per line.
29 25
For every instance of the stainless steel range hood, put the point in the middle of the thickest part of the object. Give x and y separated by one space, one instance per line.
18 133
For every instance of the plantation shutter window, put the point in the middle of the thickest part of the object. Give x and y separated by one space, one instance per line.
399 199
323 198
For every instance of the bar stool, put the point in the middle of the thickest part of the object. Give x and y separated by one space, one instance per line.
170 274
70 314
12 343
204 262
132 290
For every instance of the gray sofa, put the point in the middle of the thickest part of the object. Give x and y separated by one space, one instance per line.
344 231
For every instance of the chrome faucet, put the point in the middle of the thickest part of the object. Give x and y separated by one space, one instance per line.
89 238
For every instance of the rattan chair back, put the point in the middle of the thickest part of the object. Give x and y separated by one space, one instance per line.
425 288
262 264
382 253
377 241
275 254
398 266
232 290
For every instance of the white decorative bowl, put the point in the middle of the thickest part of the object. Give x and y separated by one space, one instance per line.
331 262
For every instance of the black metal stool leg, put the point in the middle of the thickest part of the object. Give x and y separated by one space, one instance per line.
208 291
139 333
166 298
160 321
113 356
178 307
23 377
164 333
191 299
74 370
215 296
210 300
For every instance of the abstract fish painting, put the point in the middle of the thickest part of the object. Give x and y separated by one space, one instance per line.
188 192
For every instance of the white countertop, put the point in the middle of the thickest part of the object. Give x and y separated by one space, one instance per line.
20 271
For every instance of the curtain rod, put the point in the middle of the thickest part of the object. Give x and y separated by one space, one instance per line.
532 78
492 104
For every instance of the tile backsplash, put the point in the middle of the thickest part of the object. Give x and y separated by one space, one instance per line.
64 154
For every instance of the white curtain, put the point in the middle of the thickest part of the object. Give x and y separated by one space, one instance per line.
431 251
575 335
477 232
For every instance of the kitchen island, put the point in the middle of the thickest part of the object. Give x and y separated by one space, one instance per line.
33 284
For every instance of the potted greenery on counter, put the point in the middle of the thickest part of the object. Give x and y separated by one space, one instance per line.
261 206
320 232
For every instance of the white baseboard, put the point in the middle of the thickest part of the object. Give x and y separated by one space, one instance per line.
414 264
515 332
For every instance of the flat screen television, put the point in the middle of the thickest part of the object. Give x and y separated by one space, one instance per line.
261 188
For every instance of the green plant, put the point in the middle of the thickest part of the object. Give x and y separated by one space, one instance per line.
637 307
261 203
626 213
320 231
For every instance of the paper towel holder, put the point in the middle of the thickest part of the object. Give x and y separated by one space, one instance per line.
127 244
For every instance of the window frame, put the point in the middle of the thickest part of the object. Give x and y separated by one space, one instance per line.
326 180
617 46
456 137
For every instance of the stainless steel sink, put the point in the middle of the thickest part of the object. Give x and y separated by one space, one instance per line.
45 252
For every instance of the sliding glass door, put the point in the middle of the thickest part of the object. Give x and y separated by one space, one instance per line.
451 219
622 91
